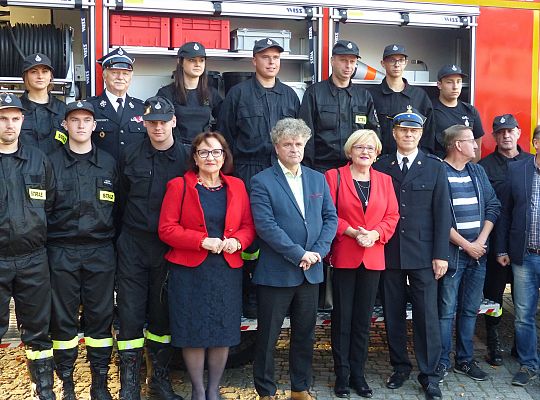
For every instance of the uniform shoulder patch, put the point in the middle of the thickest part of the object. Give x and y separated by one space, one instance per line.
434 157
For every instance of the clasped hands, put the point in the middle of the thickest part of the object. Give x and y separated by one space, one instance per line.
217 245
308 259
366 238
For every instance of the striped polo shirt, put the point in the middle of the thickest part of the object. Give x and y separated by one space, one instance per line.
464 202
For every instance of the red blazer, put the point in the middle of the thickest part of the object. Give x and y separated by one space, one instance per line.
382 214
185 234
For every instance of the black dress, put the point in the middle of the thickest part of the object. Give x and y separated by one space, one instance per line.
205 302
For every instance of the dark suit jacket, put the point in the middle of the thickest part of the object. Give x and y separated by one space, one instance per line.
113 134
515 219
381 215
285 234
182 225
423 231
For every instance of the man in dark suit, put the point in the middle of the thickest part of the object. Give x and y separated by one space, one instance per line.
418 252
517 241
296 221
119 119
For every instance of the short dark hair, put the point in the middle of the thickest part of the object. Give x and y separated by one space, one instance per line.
536 133
227 167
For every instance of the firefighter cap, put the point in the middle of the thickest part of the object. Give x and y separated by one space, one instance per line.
393 49
409 119
158 108
505 121
36 59
450 69
9 100
346 47
117 59
191 49
79 105
266 43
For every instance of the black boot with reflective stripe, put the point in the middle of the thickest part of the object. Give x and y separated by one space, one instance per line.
99 389
159 384
41 375
130 374
65 361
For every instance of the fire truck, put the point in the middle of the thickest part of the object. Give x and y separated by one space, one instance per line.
496 42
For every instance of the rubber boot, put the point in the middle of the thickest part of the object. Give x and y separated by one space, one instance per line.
99 358
159 385
65 361
130 374
494 356
41 375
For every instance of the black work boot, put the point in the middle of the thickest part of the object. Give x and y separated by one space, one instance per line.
64 360
130 374
494 355
41 375
68 386
99 389
159 385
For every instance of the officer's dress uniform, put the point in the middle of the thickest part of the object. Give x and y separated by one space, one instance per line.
27 190
82 258
42 124
333 114
389 103
248 114
141 274
113 131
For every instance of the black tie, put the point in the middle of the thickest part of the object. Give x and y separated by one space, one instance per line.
120 108
405 169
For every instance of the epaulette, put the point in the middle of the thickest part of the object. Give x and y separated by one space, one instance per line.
434 157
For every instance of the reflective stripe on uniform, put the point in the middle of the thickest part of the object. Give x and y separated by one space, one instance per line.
495 313
106 342
39 355
159 339
65 344
250 256
131 344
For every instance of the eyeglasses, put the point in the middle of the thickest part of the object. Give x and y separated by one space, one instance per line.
216 153
466 140
360 148
396 61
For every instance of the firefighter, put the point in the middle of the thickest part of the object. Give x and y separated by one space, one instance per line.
145 169
118 115
43 115
394 94
27 191
335 108
81 252
449 110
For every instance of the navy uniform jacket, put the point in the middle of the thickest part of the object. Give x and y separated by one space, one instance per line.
111 133
192 118
423 231
83 212
248 114
42 125
462 114
389 103
333 114
27 191
284 232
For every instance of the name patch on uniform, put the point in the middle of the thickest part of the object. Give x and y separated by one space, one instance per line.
360 119
37 194
61 137
106 196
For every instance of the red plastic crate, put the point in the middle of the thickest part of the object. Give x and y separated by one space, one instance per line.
139 30
212 33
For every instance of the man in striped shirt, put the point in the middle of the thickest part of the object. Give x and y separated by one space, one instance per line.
475 209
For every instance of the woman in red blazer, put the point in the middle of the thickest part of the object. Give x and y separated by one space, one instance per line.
206 219
367 217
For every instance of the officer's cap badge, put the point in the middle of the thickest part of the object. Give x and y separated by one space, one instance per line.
503 120
38 58
8 99
195 46
158 106
349 45
394 48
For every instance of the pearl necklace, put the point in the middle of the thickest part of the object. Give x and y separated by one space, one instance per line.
212 189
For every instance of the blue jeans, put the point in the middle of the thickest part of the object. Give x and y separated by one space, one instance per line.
460 295
526 284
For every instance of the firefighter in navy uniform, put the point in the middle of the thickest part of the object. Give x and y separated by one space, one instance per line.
118 115
448 110
394 95
81 252
334 109
145 169
43 115
27 191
